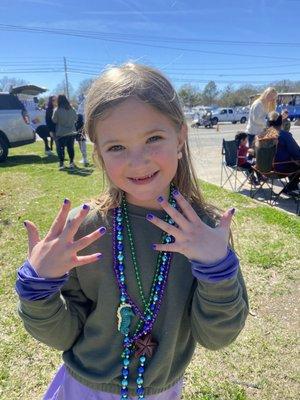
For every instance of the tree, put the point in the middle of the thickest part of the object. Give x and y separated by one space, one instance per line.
189 95
243 93
286 86
6 83
84 86
61 89
226 97
231 97
210 94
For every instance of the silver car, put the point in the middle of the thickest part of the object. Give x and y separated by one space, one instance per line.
15 129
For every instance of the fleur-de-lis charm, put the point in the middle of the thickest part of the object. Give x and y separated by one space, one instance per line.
125 315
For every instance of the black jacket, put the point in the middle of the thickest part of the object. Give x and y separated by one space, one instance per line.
51 125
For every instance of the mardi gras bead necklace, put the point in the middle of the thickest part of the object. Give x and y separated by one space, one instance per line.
137 342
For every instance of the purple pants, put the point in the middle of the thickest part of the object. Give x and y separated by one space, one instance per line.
65 387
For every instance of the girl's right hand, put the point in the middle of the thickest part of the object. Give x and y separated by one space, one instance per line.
56 254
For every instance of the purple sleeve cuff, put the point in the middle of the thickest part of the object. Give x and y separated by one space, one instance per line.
222 270
30 286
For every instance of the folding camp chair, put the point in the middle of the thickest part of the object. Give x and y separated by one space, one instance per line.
265 166
231 168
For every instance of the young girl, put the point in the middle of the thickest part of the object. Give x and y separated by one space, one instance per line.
127 307
245 155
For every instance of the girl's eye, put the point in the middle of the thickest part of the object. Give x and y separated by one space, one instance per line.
154 138
117 147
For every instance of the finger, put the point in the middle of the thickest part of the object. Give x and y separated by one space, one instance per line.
33 235
72 225
226 219
185 206
164 226
177 217
83 260
88 239
60 220
172 247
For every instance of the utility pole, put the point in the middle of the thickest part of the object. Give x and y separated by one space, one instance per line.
66 78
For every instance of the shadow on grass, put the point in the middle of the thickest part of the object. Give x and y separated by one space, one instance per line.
15 161
18 160
78 171
284 202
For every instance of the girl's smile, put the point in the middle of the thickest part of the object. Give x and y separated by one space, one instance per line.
139 147
145 179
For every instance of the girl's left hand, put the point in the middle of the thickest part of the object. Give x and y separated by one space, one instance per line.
193 238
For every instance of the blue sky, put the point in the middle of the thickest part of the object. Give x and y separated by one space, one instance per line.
229 41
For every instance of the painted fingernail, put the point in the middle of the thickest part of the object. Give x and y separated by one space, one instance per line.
175 192
149 217
160 199
154 246
102 230
232 211
66 201
25 223
99 255
85 206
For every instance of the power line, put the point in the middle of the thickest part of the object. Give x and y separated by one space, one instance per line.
108 37
181 66
166 39
200 69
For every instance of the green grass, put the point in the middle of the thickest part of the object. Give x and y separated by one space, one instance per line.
260 365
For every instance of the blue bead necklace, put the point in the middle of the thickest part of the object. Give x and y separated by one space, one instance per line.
137 342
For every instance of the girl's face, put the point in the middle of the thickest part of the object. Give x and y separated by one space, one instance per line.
244 142
139 147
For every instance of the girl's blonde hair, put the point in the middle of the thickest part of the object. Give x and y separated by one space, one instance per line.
270 105
150 86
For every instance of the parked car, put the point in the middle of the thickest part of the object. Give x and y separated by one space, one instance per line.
229 115
15 129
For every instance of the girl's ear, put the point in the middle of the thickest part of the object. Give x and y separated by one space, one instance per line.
182 136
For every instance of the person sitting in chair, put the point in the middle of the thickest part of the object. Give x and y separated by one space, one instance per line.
286 122
245 155
287 157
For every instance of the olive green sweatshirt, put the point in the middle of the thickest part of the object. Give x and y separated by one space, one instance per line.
81 320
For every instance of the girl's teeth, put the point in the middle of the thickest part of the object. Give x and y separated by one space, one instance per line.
145 177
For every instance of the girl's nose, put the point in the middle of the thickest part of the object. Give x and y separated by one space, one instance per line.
137 158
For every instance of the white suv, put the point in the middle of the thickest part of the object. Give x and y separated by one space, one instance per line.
15 129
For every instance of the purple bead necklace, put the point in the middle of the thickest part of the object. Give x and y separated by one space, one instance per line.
139 341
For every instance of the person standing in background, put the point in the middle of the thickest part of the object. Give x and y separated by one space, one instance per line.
52 103
258 112
64 116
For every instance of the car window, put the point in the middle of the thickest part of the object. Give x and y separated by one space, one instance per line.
230 111
10 102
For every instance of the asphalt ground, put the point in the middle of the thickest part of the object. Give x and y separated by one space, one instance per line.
206 146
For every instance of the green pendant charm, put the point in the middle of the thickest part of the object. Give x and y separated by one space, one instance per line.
125 315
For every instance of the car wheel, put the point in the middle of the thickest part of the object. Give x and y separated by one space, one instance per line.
3 150
243 120
214 121
234 122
